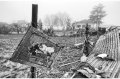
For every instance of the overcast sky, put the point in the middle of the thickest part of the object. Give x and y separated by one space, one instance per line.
10 11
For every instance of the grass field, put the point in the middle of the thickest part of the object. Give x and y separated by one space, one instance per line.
11 36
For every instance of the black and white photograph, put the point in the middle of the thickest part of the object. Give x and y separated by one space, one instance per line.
60 39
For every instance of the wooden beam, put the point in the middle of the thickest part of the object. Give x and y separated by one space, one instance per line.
34 24
34 15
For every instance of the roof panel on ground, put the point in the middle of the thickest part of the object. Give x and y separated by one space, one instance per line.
109 44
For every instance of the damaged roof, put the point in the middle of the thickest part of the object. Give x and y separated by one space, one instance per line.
108 43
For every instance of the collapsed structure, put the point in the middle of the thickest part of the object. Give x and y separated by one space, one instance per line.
106 44
103 61
109 44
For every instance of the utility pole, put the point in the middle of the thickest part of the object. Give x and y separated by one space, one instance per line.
34 24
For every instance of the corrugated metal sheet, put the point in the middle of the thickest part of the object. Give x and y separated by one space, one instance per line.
109 44
111 67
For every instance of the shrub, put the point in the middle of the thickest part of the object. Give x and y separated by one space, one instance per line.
49 32
4 30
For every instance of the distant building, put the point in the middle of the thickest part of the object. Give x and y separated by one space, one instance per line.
81 24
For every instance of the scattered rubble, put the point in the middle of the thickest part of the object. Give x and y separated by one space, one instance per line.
16 70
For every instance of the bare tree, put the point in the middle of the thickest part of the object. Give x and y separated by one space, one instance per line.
16 27
47 20
59 19
23 25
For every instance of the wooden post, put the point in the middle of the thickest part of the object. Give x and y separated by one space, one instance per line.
86 47
34 24
34 15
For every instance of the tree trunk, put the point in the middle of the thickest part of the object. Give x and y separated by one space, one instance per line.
17 31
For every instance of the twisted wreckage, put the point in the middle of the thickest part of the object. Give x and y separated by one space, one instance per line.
38 49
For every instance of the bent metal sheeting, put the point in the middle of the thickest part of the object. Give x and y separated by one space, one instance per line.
109 44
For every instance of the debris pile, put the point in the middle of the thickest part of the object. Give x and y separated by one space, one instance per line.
9 69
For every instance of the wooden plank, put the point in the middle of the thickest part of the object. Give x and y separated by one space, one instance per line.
103 65
119 52
98 64
91 60
118 45
112 45
115 47
112 68
115 70
115 50
117 75
90 57
107 67
108 44
94 62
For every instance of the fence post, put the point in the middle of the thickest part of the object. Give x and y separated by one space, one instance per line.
86 46
34 24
